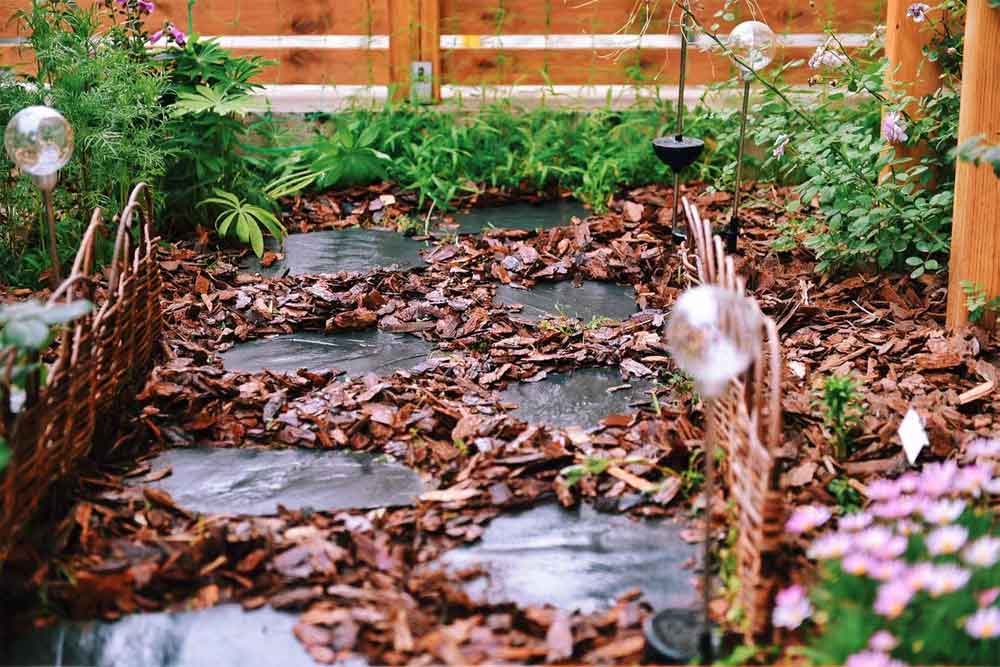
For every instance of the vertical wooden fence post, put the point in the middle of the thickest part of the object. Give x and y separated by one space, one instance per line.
414 34
910 73
975 243
404 44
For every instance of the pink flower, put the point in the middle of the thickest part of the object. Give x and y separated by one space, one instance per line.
807 518
943 511
984 552
919 576
907 527
855 521
984 448
971 479
874 538
984 624
883 489
155 37
146 6
946 540
894 548
896 508
178 36
857 564
894 128
830 545
887 570
909 482
918 12
946 579
992 487
988 597
883 641
892 598
825 57
779 146
936 478
871 659
791 608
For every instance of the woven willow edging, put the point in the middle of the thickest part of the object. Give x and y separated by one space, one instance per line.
747 420
99 357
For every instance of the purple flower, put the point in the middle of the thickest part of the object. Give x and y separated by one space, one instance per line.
907 527
918 12
856 521
871 659
883 489
874 538
946 579
971 479
146 6
791 608
883 641
857 564
178 36
779 146
892 598
919 576
984 624
943 511
894 128
893 548
121 3
830 545
896 508
806 518
909 482
826 58
984 552
887 570
946 540
988 597
936 478
984 447
992 487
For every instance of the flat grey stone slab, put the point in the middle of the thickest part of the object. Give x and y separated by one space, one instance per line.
576 398
342 250
224 636
578 559
352 352
256 481
592 299
521 216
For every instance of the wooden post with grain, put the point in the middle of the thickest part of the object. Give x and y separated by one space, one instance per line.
414 34
910 73
975 244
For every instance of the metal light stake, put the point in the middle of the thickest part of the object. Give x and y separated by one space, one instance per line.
753 45
39 141
713 335
679 151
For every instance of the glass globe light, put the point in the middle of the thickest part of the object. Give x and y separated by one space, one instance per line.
714 334
39 141
754 44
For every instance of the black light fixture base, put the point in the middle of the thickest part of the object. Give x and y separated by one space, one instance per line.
678 152
676 636
732 235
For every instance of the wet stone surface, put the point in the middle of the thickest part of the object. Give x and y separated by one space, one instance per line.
576 398
578 559
356 353
342 250
521 216
224 636
256 481
590 300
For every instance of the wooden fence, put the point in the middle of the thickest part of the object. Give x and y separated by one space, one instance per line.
474 43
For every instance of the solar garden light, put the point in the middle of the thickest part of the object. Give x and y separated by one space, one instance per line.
714 335
676 150
752 44
39 141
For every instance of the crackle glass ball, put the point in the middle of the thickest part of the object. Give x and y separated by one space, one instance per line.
754 44
714 334
39 140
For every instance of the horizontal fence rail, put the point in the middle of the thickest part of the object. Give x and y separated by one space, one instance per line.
358 45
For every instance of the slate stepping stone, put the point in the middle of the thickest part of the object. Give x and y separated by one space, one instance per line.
342 250
256 481
578 559
224 636
577 398
592 299
353 352
521 216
